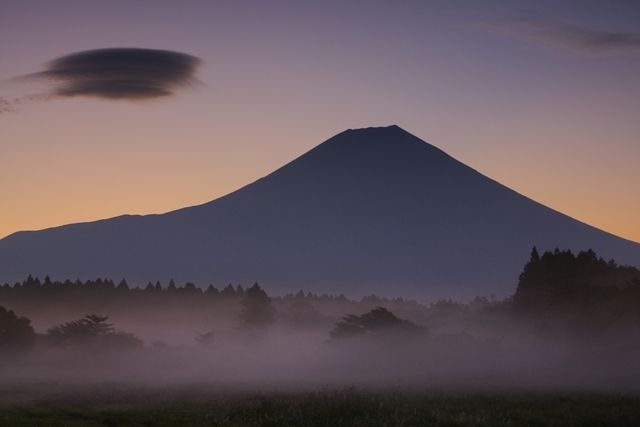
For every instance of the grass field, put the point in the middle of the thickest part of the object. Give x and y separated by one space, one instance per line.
113 405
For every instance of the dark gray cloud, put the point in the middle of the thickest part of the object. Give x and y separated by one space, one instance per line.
119 73
557 34
116 74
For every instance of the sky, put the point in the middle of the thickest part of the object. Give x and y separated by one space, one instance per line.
541 96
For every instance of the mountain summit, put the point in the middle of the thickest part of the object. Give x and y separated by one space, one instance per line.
373 210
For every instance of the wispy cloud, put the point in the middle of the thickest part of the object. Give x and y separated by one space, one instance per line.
15 104
556 34
113 74
7 106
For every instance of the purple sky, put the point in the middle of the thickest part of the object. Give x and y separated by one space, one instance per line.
543 97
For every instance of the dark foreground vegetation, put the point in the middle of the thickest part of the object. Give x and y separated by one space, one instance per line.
110 405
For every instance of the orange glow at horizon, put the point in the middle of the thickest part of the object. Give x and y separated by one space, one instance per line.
558 126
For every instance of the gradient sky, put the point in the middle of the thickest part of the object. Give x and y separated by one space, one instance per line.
541 96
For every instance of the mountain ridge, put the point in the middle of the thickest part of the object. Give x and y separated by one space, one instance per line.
374 210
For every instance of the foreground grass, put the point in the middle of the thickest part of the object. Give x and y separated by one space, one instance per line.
113 406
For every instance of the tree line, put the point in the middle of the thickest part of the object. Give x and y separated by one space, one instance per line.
580 292
33 288
92 331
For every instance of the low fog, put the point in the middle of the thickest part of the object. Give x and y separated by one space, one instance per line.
238 339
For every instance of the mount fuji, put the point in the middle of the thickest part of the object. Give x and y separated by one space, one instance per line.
373 210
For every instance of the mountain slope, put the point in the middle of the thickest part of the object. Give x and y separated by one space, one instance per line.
369 210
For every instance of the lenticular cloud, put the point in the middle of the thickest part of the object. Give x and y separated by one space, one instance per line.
120 73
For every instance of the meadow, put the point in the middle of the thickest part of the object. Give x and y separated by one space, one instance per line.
200 405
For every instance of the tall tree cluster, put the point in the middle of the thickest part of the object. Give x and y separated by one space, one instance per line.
582 287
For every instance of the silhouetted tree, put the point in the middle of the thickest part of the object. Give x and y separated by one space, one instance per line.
376 321
190 289
91 329
79 331
256 308
228 291
122 286
31 285
559 283
16 332
212 292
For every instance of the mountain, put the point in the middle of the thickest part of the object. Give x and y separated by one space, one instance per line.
372 210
